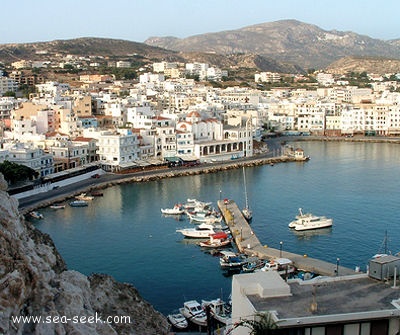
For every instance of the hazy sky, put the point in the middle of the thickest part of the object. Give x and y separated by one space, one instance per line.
134 20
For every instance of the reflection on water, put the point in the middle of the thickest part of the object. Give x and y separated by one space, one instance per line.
310 234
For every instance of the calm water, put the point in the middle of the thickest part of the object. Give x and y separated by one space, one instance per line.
123 233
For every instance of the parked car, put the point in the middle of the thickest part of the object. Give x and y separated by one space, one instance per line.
95 175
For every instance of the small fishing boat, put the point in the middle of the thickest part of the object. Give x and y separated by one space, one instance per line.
84 197
177 320
36 215
232 261
217 240
57 206
176 210
78 203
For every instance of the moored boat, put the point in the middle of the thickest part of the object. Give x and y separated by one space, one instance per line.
310 221
219 310
176 210
36 215
206 217
200 231
78 203
246 211
57 206
217 240
193 311
177 320
232 261
84 197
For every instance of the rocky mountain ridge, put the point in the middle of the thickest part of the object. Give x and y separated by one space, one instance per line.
288 41
34 281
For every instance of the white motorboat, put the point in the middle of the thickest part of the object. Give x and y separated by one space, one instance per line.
206 217
177 320
201 231
219 310
310 221
193 311
176 210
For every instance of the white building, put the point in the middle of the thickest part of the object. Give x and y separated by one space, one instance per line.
118 150
35 158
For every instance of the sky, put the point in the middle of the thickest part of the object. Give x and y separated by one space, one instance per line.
25 21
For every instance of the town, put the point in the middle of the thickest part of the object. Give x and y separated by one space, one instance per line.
174 113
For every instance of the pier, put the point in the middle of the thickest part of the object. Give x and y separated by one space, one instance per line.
248 243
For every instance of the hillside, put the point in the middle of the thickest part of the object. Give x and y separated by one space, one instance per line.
287 41
366 64
121 49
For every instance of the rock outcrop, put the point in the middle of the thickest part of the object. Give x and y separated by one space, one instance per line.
34 282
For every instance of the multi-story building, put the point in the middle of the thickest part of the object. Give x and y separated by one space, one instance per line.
118 150
35 158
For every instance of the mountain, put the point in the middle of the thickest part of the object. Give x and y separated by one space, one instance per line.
287 41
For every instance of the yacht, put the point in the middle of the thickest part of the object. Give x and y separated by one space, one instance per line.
309 221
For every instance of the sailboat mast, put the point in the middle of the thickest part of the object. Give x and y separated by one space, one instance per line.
245 188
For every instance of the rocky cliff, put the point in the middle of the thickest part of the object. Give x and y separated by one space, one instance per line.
34 282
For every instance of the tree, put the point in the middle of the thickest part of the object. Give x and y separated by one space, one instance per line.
261 325
14 172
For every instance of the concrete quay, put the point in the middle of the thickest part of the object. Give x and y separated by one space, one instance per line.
248 243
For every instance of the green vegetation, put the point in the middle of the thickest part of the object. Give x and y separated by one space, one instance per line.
14 173
263 325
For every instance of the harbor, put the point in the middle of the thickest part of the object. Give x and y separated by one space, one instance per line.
123 233
248 243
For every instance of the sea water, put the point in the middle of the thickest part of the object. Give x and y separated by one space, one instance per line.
123 233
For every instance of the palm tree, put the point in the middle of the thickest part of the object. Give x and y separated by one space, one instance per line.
262 324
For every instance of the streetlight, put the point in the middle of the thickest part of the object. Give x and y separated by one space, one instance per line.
337 266
280 248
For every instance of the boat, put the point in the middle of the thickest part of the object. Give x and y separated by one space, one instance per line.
177 320
219 310
176 210
200 231
56 206
217 240
246 211
36 215
204 216
193 311
253 266
310 221
232 261
194 205
78 203
84 197
282 265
